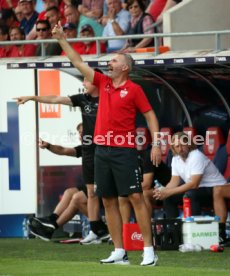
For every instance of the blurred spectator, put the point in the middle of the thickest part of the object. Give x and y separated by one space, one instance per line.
169 4
155 8
70 31
91 8
72 15
117 24
8 4
30 15
4 36
141 23
53 15
43 31
47 4
90 47
18 13
26 50
39 7
9 18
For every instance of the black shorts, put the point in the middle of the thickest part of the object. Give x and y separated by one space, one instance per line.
88 164
117 171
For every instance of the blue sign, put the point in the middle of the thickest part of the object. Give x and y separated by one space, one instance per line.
9 146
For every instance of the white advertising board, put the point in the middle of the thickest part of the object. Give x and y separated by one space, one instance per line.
18 174
57 123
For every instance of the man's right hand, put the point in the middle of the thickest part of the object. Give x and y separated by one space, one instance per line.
23 99
43 144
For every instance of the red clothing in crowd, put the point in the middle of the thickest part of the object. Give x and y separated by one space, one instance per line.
4 5
5 51
28 50
156 8
127 99
92 48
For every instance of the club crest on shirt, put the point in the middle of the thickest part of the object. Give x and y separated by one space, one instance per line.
123 93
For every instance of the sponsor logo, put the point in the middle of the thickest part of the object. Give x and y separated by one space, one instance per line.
136 236
204 234
123 93
49 84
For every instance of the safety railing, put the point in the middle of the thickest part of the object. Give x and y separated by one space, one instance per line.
156 36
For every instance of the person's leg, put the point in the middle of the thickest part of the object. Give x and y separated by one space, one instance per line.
77 203
93 203
220 193
65 200
99 230
202 197
142 217
106 188
114 220
148 191
125 209
171 205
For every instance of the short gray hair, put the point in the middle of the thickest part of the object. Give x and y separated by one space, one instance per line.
129 60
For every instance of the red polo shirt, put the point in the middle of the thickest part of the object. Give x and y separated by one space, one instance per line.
117 110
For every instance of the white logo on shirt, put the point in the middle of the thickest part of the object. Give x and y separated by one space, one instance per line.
123 93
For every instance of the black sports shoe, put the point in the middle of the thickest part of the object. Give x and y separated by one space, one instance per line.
43 232
46 222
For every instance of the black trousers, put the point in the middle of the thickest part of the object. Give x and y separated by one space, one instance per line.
202 197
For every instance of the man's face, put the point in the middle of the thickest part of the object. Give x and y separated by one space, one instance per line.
42 31
16 35
89 87
53 17
114 5
70 33
117 66
87 33
27 8
71 14
181 147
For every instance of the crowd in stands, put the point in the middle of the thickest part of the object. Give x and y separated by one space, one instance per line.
34 20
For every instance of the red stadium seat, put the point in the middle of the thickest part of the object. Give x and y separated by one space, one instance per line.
166 133
190 131
227 170
213 140
144 138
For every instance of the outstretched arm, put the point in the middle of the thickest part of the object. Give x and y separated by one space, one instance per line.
44 99
57 149
74 57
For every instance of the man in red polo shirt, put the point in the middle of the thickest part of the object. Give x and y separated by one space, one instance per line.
116 163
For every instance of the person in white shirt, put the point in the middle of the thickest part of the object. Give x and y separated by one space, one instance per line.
199 176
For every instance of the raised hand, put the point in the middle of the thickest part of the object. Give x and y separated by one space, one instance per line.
57 31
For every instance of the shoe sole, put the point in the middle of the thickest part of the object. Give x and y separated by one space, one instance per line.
104 238
44 224
92 242
152 263
116 263
39 236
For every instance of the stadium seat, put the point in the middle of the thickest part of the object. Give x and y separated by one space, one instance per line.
227 147
190 131
213 140
144 138
166 133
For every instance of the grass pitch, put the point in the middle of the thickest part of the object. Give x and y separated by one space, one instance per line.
20 257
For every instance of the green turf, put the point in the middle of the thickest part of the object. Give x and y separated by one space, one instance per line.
36 257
